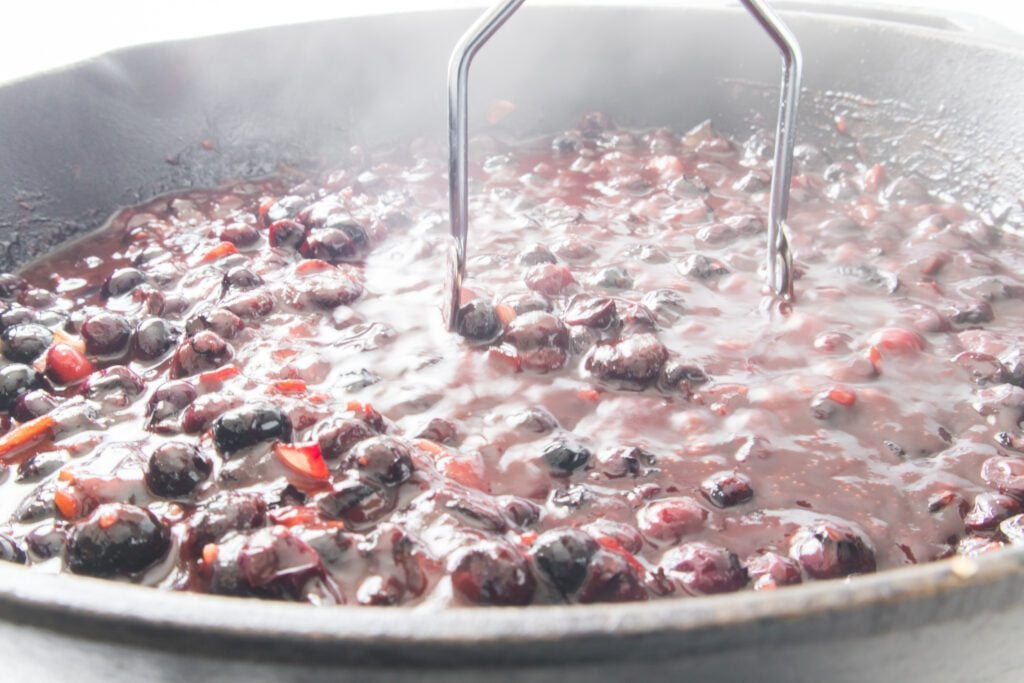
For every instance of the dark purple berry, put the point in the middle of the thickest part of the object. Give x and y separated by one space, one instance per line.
541 340
176 468
596 312
828 551
989 510
240 278
563 555
116 384
33 404
635 359
122 281
492 573
478 321
11 550
340 243
40 466
704 568
628 461
224 513
166 404
106 334
249 425
25 343
536 254
337 435
286 233
726 489
611 578
154 337
382 459
16 315
11 285
564 456
15 381
116 540
204 350
240 234
357 502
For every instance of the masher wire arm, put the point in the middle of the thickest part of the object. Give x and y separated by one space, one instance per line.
780 259
779 263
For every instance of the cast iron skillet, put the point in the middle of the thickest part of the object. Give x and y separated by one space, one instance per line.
80 142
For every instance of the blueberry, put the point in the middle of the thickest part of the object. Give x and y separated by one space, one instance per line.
26 342
222 514
285 207
249 425
382 459
629 461
666 304
16 315
154 337
704 568
357 502
106 334
166 404
116 384
204 350
204 410
564 456
11 550
536 254
439 430
828 551
563 555
492 573
596 312
726 489
116 540
176 468
636 359
611 578
240 278
478 321
40 466
240 234
122 281
702 268
250 305
541 340
15 381
337 435
218 320
46 541
33 404
286 233
340 243
613 278
11 285
677 375
989 510
277 564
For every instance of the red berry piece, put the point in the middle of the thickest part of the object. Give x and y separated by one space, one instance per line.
670 519
829 551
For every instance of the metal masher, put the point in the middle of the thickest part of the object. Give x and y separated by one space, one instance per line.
779 261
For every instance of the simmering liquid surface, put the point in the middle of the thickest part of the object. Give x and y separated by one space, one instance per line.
250 391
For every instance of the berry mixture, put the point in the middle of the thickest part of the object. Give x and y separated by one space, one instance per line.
250 391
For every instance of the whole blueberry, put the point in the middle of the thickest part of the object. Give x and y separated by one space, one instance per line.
154 337
492 573
478 321
176 468
122 281
116 540
25 343
16 381
250 425
106 334
563 555
564 456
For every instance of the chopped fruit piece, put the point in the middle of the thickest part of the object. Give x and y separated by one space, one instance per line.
843 396
67 364
25 435
219 375
220 251
210 553
289 386
304 459
67 504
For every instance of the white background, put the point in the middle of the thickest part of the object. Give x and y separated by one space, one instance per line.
41 34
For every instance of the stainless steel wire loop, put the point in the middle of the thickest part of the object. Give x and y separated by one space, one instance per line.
779 261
